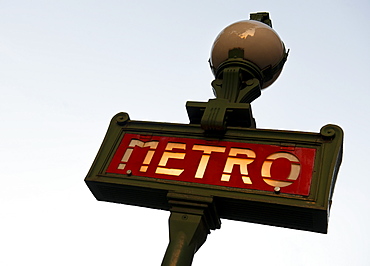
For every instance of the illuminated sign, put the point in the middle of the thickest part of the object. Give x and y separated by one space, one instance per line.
274 177
220 163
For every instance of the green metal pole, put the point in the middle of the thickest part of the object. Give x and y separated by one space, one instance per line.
187 234
192 219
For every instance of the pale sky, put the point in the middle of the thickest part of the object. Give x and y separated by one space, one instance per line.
67 67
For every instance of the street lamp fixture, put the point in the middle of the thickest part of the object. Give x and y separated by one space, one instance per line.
246 56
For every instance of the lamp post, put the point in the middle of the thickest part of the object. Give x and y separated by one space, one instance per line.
220 166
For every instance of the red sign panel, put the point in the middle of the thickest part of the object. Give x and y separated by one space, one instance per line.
221 163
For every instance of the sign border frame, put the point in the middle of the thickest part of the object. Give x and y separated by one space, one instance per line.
152 192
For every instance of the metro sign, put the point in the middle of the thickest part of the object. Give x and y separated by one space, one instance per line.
273 177
220 163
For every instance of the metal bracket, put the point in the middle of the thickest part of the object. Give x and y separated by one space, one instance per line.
217 114
235 87
263 17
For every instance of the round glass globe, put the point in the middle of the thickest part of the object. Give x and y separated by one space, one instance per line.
261 44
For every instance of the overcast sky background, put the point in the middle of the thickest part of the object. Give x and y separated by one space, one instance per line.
67 67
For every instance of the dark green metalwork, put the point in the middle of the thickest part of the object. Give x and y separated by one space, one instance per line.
236 85
192 218
263 17
197 208
217 113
